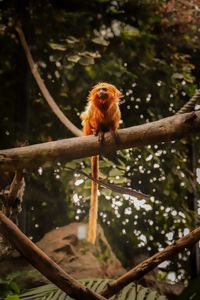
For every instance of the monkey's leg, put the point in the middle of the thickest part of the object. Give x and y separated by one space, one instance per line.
93 213
114 134
101 136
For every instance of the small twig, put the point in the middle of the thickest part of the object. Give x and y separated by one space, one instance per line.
114 187
34 69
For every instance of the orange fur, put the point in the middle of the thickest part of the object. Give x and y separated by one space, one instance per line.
102 114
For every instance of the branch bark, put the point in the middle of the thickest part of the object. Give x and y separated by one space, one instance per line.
164 130
149 264
43 263
167 129
47 96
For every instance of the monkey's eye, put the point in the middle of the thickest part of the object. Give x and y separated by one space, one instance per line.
103 89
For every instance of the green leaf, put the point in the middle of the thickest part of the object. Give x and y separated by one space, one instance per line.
130 32
86 61
73 58
100 41
12 297
14 287
95 54
192 291
71 40
51 292
177 76
141 295
152 296
116 172
106 192
59 47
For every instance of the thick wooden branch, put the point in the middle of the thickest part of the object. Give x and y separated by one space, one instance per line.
167 129
149 264
43 263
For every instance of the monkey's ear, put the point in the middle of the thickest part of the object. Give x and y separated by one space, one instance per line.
119 94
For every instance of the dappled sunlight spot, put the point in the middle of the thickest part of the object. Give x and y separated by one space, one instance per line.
124 231
156 166
148 158
143 240
198 174
169 236
159 153
128 168
40 170
78 182
141 169
148 98
152 199
76 174
138 204
164 264
186 231
76 198
128 92
174 213
171 276
128 211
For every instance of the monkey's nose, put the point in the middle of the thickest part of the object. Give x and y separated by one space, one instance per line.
102 94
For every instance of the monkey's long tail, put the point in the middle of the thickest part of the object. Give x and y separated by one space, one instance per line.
93 213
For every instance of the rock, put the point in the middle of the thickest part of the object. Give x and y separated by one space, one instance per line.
78 257
68 248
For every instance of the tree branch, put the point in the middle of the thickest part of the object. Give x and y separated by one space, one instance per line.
149 264
43 263
167 129
47 96
113 187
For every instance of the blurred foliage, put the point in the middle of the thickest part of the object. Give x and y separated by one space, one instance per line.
9 289
155 62
131 291
192 291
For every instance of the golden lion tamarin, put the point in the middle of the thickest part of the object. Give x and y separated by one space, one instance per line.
102 114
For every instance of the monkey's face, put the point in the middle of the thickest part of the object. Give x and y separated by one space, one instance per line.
103 95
